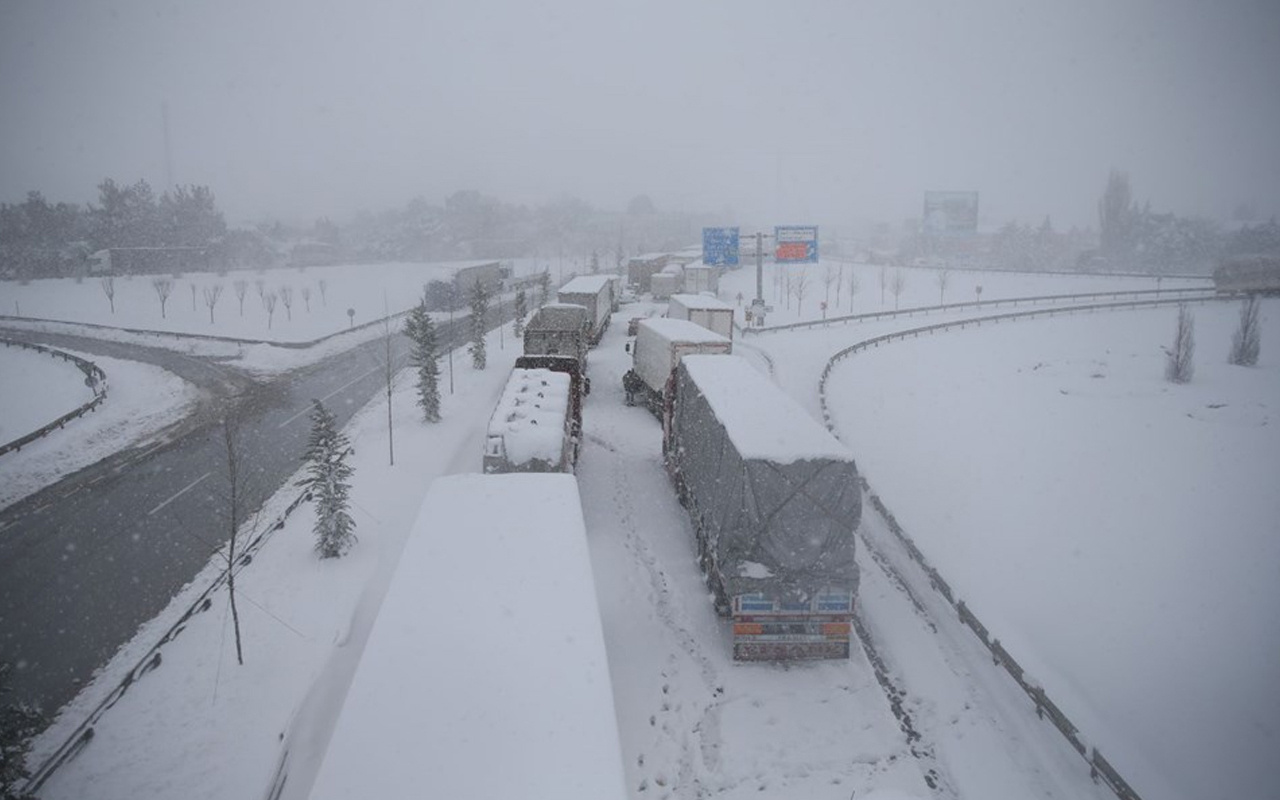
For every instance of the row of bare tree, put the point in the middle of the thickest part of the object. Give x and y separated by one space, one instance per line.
211 293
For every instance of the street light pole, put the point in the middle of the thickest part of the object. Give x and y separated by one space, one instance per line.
759 268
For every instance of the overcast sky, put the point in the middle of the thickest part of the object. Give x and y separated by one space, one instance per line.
783 111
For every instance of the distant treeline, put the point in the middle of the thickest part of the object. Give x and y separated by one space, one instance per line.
39 239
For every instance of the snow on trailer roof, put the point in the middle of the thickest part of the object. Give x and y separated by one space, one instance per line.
485 673
702 302
682 330
762 420
530 416
586 284
554 316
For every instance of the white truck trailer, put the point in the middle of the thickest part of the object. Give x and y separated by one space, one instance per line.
664 284
660 344
700 309
484 674
700 278
594 293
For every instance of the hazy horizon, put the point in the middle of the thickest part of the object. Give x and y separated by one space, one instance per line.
822 112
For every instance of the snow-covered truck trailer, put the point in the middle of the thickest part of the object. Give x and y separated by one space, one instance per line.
709 312
533 427
664 284
641 269
489 274
594 293
660 344
559 329
774 500
699 277
484 673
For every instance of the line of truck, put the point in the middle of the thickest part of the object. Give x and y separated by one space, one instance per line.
537 425
773 497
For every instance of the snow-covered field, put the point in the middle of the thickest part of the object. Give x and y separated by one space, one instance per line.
141 400
693 723
321 298
63 390
1118 533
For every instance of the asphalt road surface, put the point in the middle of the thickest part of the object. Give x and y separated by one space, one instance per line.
87 560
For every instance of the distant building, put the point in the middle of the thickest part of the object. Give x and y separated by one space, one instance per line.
153 260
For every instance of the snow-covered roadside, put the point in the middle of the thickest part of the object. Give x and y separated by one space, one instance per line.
142 401
368 290
176 729
35 389
1117 533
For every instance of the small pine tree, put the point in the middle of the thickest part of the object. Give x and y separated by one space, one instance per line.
479 309
328 476
1246 343
522 308
18 723
544 288
1178 367
424 356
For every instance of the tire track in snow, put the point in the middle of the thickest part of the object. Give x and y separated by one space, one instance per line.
706 731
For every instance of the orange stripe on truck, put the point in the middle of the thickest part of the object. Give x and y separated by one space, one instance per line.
747 629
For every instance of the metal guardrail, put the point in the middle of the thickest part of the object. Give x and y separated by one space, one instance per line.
84 733
1086 297
1099 767
208 337
95 378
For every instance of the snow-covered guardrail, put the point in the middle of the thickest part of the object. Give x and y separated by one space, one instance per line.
1099 767
1169 295
83 734
207 337
95 378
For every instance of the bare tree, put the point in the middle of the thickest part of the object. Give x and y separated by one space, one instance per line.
211 295
1246 343
828 278
839 284
269 301
193 295
884 281
944 279
261 285
324 286
800 285
241 286
896 286
286 297
109 289
235 479
853 288
306 296
164 288
1178 367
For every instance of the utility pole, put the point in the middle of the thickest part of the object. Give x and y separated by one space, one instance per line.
386 325
168 147
758 308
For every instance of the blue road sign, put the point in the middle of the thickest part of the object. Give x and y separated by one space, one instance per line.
720 247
